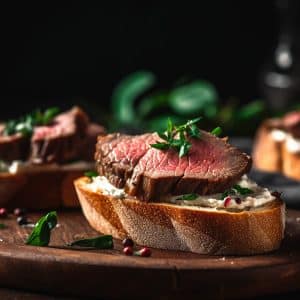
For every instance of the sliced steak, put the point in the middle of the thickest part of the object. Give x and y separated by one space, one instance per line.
13 147
211 166
60 141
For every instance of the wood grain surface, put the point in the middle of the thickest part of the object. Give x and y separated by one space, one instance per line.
59 270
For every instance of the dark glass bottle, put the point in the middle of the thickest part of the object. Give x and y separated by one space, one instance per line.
280 78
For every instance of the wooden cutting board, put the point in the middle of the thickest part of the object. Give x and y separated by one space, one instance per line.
59 270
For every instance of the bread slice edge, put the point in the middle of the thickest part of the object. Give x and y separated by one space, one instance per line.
174 227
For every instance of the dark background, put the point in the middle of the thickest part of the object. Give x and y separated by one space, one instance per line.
61 54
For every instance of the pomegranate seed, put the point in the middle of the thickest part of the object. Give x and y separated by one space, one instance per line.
19 212
127 242
3 212
145 252
128 251
238 200
227 201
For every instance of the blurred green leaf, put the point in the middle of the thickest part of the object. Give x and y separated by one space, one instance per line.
251 110
197 97
151 103
126 93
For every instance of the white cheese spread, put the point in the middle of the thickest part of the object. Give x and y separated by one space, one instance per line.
278 135
18 166
292 144
258 197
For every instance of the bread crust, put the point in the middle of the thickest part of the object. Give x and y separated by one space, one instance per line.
173 227
290 164
266 151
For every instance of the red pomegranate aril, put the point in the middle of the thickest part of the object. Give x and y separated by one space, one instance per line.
19 212
227 201
127 242
145 252
128 251
238 200
3 212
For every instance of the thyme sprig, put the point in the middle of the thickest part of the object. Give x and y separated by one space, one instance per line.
176 137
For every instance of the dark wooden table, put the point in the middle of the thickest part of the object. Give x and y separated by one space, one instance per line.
58 271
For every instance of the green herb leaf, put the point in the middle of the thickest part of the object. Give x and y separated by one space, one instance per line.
181 144
25 124
194 97
188 197
169 128
217 131
160 146
49 114
101 242
242 190
184 149
91 174
2 226
40 236
194 131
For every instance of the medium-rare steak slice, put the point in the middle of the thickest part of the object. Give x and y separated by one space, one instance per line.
61 140
13 147
211 166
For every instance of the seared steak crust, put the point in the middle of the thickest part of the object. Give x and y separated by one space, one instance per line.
13 147
211 166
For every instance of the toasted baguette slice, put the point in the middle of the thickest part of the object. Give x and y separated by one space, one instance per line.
43 187
266 151
290 163
174 227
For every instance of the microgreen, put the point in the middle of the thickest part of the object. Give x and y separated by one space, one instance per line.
40 236
188 197
25 124
241 190
100 242
2 226
175 137
237 189
91 174
217 131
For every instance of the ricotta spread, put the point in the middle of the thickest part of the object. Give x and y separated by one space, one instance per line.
258 197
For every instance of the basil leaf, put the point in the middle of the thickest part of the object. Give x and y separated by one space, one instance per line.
2 226
91 174
101 242
40 236
242 190
160 146
188 197
217 131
